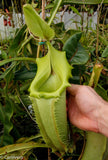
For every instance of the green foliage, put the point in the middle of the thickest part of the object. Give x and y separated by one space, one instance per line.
75 53
17 59
26 73
6 113
54 10
105 52
18 39
20 146
84 1
37 26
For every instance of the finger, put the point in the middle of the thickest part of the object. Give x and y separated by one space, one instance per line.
73 89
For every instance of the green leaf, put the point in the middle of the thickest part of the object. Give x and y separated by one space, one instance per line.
14 47
71 45
75 10
75 53
23 43
21 146
84 1
6 113
77 72
3 54
2 116
22 153
16 59
81 57
54 11
37 26
8 70
102 92
68 34
25 74
105 52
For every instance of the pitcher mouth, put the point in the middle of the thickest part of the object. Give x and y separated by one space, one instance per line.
52 74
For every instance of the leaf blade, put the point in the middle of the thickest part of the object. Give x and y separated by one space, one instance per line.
54 11
20 146
84 1
105 52
16 59
36 24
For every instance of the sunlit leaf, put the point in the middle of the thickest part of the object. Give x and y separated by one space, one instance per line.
37 26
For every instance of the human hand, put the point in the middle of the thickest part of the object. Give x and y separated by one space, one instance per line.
83 107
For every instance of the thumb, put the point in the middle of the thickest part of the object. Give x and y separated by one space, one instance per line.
73 89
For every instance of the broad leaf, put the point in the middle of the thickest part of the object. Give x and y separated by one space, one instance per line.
37 26
75 53
68 34
71 45
81 57
105 52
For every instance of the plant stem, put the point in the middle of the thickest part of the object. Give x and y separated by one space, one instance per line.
38 50
43 9
98 17
49 154
97 44
66 6
43 17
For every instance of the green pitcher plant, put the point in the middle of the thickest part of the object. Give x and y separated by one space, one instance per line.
48 93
